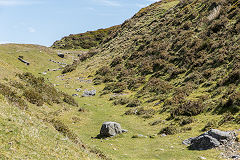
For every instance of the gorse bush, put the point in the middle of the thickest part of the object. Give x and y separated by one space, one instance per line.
70 68
188 108
169 130
38 91
12 96
70 100
33 97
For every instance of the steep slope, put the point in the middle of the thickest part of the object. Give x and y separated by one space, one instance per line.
185 59
84 40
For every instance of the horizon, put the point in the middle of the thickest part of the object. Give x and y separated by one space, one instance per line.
43 22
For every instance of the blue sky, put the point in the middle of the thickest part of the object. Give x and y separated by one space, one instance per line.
44 21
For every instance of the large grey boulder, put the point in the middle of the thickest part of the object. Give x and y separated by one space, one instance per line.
110 129
210 139
204 142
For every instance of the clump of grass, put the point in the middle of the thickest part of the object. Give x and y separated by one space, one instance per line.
38 91
169 130
210 125
115 87
103 71
186 121
117 60
121 101
145 113
89 54
226 118
62 128
134 103
156 122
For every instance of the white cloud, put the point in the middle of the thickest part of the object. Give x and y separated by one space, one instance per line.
109 3
31 29
18 2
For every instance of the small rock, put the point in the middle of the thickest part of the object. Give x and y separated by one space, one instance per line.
163 135
235 157
139 136
202 157
124 131
74 95
78 89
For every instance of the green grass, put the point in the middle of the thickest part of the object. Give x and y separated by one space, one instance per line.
38 132
31 135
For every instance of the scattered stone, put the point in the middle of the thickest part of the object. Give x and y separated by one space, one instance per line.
139 136
153 136
81 110
202 157
163 135
74 95
20 58
87 93
78 89
235 157
124 131
44 73
110 129
61 55
156 104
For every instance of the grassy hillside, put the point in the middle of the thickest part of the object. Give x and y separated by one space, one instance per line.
84 40
184 60
30 106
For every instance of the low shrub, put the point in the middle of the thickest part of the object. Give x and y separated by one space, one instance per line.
157 86
226 118
186 121
145 113
69 99
121 101
156 122
103 71
134 103
116 61
169 130
63 129
12 96
70 68
188 108
210 125
33 97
